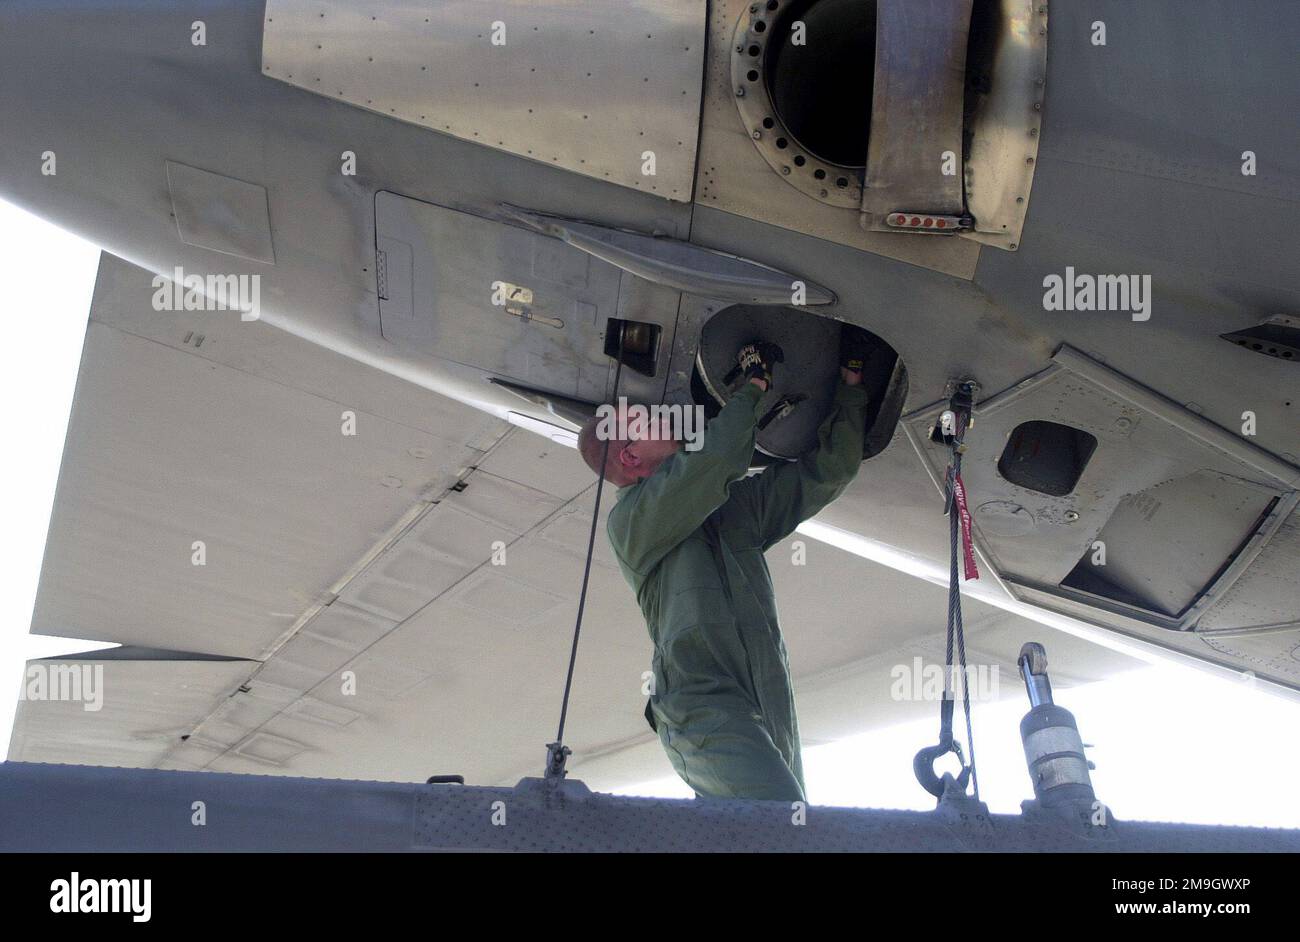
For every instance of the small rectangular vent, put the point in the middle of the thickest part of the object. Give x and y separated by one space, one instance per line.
1046 457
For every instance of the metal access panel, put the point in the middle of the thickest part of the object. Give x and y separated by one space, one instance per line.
916 112
216 212
1154 524
1006 118
1202 518
590 86
506 300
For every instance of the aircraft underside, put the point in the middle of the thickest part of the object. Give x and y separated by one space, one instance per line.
365 271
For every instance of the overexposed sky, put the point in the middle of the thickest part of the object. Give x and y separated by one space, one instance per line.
1170 744
48 276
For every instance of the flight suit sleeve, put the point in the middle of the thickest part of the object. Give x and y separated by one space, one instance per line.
665 508
786 494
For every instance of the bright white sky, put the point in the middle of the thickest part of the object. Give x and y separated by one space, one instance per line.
48 276
1170 744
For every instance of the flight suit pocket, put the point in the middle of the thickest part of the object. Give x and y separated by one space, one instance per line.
703 670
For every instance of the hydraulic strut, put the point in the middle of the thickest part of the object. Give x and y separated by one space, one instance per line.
1053 747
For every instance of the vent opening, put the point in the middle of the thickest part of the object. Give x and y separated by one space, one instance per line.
1276 338
640 344
809 375
813 73
1046 457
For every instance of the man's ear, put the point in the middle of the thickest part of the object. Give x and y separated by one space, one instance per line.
627 456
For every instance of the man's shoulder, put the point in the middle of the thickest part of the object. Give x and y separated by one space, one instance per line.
617 523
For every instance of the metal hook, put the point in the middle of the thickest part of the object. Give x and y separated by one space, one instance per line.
923 762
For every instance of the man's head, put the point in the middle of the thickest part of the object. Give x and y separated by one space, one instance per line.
642 448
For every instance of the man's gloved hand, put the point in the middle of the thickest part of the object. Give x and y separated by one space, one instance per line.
756 361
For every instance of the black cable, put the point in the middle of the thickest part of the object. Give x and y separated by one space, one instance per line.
956 630
586 572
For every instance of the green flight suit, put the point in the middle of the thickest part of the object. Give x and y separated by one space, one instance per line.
690 540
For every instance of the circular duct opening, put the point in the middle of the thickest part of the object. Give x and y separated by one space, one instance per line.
820 76
810 373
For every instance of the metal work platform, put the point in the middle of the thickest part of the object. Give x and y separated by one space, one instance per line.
66 808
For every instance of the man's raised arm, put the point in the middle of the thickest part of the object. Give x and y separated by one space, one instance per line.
787 494
662 510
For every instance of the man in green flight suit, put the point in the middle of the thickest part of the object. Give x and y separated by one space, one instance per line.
689 530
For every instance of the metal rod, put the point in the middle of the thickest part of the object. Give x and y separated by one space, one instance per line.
557 752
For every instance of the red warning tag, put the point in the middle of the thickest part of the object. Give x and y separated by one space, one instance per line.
967 544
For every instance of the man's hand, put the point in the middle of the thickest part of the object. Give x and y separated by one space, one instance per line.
756 361
854 350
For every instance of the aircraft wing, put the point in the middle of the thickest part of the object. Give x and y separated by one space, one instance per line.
397 602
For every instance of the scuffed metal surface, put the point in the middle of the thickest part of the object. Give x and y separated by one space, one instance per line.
916 117
590 87
1005 126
